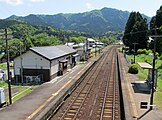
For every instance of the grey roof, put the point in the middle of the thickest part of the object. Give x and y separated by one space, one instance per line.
53 52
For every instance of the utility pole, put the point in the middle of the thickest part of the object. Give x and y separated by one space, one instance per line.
134 51
86 48
153 72
95 48
21 69
8 67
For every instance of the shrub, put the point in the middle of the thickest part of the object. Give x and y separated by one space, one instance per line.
148 52
156 54
133 69
160 57
119 49
139 51
142 51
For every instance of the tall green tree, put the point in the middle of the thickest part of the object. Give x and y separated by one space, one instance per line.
136 31
156 23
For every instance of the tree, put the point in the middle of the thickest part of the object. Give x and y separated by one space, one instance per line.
44 40
136 31
129 26
156 22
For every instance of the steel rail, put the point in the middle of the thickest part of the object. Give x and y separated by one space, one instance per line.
105 95
100 86
91 76
108 91
114 96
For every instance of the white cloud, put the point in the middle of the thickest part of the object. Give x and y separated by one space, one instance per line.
37 0
13 2
18 2
89 6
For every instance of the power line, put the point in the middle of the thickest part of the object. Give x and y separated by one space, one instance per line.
131 33
147 31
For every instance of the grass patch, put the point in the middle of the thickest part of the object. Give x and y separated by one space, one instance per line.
3 65
3 84
141 76
1 56
158 94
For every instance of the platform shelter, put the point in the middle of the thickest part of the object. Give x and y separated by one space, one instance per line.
145 65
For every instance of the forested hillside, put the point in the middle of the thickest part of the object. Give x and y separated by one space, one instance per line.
28 35
96 21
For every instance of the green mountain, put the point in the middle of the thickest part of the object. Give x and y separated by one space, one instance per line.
8 23
96 21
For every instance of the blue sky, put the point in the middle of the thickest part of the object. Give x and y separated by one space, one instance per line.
26 7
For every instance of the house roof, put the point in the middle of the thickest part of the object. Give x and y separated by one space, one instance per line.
53 52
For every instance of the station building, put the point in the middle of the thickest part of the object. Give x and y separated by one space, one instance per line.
41 64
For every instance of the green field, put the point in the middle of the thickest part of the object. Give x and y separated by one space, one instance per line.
3 84
142 74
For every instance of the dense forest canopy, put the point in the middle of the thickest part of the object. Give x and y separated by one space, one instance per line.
136 31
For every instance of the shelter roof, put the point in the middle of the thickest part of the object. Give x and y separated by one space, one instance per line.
144 65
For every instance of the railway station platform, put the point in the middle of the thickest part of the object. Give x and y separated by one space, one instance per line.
42 99
135 92
35 104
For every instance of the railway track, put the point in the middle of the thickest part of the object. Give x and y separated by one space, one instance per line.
97 97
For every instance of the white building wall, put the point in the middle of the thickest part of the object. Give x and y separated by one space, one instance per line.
54 67
32 61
